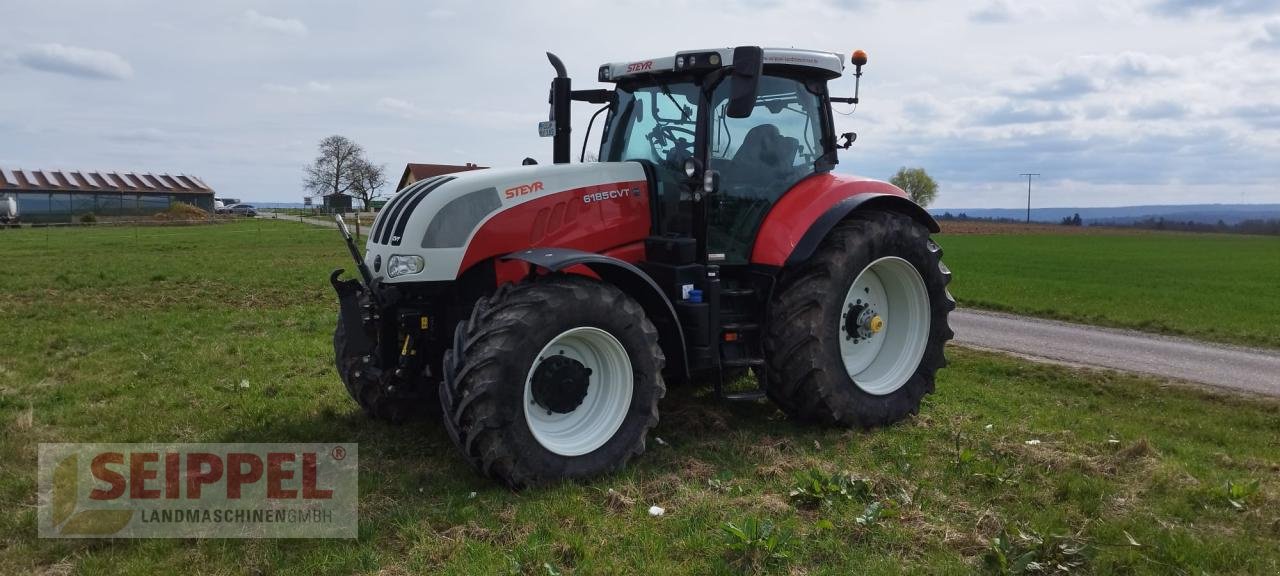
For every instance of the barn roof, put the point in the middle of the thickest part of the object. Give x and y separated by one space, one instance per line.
15 180
420 171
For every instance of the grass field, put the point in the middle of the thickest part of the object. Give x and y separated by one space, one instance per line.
123 335
1212 286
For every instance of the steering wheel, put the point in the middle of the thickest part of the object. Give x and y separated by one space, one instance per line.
661 133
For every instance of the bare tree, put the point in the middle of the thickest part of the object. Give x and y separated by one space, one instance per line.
367 179
336 170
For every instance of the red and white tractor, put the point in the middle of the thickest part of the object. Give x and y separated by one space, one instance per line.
541 311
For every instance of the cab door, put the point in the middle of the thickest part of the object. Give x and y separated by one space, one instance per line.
759 158
655 124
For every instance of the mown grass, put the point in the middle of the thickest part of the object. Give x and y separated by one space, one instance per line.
110 336
1216 287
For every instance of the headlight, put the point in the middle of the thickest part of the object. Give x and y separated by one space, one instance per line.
399 265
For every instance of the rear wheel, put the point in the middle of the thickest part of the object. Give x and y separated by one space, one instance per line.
856 332
553 379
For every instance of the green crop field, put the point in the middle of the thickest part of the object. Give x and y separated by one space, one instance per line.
222 334
1216 287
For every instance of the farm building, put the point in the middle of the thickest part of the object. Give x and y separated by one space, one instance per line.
60 196
337 202
416 172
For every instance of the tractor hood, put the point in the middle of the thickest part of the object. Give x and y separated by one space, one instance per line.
425 231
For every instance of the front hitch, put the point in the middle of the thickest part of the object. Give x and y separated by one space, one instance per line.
355 251
357 313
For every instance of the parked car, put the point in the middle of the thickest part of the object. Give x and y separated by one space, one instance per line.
242 210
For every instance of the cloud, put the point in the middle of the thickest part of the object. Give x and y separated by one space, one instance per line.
1136 65
922 107
290 26
1265 116
995 12
311 86
1158 110
1010 113
74 61
1063 87
140 135
1270 39
1183 8
398 107
1005 11
1199 156
1082 75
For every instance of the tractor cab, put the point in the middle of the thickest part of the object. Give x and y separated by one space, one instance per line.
724 133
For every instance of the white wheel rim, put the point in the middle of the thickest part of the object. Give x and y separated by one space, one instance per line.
603 409
880 362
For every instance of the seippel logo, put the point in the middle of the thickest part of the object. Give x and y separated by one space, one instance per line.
198 490
67 520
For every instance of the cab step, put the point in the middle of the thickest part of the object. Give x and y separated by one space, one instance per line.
750 396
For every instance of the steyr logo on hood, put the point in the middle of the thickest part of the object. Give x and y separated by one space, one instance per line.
523 189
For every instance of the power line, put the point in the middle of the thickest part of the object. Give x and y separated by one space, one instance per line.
1028 175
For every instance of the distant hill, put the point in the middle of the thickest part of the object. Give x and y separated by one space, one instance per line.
1200 213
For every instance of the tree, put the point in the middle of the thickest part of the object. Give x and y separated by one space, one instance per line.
366 180
341 168
916 183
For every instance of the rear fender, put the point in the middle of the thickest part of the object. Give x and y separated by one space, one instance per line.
799 221
630 280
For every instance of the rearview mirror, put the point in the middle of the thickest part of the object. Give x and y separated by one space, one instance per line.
748 63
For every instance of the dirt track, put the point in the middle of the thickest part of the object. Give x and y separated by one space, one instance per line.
1232 367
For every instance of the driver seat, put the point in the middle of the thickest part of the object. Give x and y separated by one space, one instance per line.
765 156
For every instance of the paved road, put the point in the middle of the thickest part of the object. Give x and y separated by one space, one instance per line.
1233 367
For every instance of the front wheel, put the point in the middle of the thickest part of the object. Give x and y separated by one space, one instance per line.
557 378
856 333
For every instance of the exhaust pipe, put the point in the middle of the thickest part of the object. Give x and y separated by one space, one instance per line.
561 91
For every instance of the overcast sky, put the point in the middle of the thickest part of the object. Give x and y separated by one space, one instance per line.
1116 103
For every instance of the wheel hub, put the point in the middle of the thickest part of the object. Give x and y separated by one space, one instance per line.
861 322
885 325
560 384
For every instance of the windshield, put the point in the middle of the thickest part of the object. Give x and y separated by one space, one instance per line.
654 123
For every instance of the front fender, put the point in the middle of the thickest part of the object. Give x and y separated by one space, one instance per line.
799 220
633 282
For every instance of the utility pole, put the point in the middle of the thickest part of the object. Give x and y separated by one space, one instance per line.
1028 175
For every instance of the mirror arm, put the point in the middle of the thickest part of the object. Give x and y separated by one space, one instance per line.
592 96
